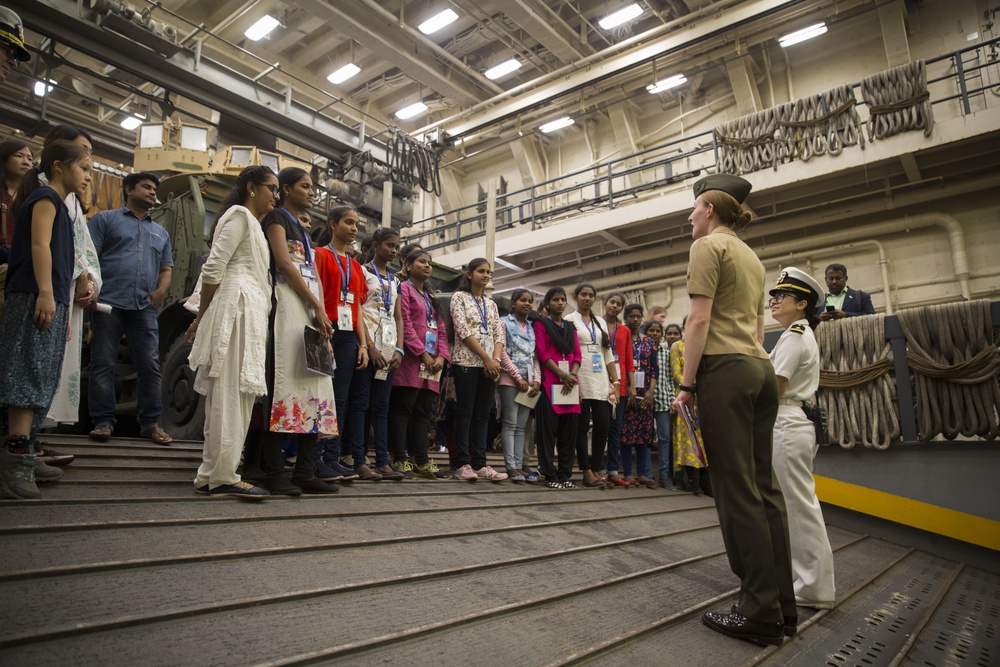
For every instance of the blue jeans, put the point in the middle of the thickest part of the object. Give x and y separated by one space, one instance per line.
378 412
615 439
665 442
515 416
142 334
345 355
642 463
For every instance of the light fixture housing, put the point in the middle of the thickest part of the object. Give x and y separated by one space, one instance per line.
623 15
438 21
132 122
343 74
802 35
261 28
503 69
667 84
411 110
41 88
557 124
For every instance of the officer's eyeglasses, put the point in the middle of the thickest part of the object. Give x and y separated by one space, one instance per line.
12 53
777 298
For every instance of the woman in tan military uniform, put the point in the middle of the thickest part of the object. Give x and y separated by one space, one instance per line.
727 366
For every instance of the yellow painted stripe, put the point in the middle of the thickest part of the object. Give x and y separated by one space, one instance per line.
909 512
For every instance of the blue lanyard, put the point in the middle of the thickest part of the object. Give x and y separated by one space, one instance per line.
482 312
385 287
345 282
428 304
305 236
591 328
614 340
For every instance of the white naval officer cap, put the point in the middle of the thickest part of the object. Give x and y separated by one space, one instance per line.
798 282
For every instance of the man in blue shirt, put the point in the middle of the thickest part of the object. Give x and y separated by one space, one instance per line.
136 264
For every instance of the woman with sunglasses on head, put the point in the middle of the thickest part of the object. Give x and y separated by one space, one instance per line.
520 373
738 401
479 342
796 365
345 288
559 356
599 386
417 382
621 348
300 403
229 334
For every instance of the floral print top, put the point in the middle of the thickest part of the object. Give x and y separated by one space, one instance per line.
467 318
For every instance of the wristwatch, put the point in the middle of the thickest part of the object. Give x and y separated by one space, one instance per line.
690 390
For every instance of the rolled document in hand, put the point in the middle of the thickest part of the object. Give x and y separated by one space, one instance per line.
103 308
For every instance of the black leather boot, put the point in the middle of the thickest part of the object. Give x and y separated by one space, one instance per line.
275 479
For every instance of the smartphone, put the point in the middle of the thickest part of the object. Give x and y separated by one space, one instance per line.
830 309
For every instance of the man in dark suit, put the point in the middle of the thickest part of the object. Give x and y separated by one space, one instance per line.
841 300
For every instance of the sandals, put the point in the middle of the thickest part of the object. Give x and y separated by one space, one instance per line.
647 482
618 481
154 433
101 433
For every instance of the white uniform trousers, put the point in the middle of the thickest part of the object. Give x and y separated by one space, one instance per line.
227 418
812 558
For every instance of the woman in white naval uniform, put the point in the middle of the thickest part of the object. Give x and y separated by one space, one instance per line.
796 365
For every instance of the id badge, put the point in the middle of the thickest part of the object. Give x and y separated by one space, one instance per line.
388 331
382 374
593 348
640 379
563 366
345 318
349 299
616 358
431 343
597 362
308 272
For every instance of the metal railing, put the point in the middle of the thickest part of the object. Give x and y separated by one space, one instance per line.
615 182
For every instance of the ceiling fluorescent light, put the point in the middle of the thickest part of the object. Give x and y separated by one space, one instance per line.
132 122
802 35
667 84
41 88
623 15
557 124
411 111
438 21
343 74
261 28
503 69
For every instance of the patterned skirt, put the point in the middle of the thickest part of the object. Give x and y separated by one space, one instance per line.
33 358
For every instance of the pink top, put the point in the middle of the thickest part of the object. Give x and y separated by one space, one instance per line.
415 317
547 350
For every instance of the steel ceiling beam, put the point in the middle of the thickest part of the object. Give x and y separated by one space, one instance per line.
406 48
610 62
204 81
547 27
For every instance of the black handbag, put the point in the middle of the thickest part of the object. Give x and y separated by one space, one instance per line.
817 416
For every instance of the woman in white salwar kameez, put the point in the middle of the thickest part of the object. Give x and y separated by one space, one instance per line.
796 364
230 331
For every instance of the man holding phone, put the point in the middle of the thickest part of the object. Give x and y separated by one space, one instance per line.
842 301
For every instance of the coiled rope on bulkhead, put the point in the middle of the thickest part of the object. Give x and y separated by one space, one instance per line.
800 130
898 101
854 385
954 356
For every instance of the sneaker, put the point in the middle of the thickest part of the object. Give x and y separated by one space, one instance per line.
515 475
569 485
553 484
17 468
202 490
428 471
530 475
490 474
327 473
315 485
46 473
346 473
406 468
47 454
465 474
242 490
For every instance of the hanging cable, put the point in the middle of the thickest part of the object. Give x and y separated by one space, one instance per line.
413 162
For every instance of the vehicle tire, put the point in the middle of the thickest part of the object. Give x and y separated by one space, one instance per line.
183 414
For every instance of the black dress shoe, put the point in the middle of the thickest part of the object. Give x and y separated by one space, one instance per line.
738 626
279 485
315 485
791 626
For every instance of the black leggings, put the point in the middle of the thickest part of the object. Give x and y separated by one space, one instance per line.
601 411
475 393
411 413
554 431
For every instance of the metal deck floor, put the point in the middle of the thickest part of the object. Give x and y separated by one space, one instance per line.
122 564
